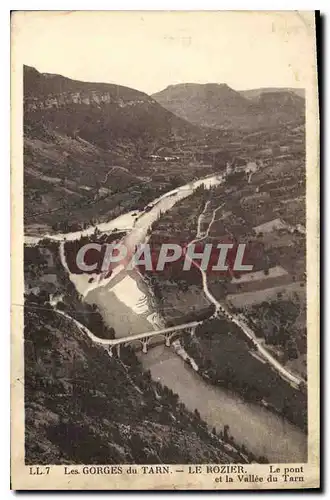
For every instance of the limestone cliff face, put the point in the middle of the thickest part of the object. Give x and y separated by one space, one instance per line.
47 91
92 98
106 114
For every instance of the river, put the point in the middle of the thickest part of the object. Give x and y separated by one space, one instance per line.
126 304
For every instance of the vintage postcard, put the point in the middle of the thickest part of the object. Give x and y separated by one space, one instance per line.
165 250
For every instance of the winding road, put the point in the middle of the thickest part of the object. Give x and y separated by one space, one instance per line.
129 221
293 379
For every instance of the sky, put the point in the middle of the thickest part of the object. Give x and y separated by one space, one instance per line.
150 50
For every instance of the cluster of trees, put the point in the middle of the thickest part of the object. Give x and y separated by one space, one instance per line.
275 321
34 261
89 317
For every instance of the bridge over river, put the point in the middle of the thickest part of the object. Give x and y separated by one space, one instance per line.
167 334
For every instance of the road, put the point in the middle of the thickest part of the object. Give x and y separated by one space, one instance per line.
293 379
128 220
123 340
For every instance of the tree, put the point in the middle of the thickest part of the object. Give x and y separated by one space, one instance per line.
197 414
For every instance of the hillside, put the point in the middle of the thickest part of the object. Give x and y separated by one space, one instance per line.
81 406
219 106
84 407
206 105
286 105
255 93
87 144
103 114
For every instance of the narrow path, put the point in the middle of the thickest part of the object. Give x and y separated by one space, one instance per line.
199 222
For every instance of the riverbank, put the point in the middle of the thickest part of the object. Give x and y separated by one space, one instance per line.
130 220
258 378
251 425
111 408
224 359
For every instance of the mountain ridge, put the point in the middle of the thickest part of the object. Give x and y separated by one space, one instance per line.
252 93
77 133
114 114
219 106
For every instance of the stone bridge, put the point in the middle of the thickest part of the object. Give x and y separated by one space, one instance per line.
167 334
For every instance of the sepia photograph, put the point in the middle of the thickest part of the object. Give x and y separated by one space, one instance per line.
164 201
